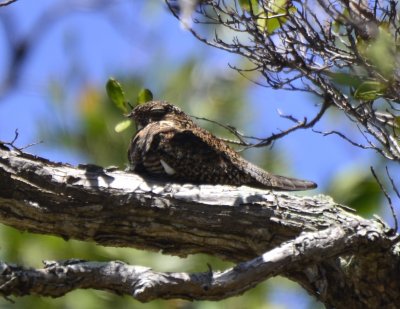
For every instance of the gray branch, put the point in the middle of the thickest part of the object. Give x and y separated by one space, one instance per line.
58 278
312 240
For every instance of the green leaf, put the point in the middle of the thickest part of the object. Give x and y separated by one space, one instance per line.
116 94
369 90
346 79
144 96
382 52
276 16
274 23
249 5
122 126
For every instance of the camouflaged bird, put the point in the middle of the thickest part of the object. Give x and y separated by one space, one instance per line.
169 144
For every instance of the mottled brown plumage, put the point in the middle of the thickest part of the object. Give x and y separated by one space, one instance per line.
169 144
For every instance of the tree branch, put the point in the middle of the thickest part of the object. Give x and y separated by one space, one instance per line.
123 209
8 2
59 278
321 47
311 240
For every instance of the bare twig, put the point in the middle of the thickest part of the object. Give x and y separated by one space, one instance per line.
304 124
303 52
394 187
266 141
386 195
8 2
19 149
229 128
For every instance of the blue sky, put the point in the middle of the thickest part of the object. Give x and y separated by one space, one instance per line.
105 50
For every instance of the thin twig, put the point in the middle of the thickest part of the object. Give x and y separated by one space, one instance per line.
387 196
19 149
302 54
262 142
15 138
5 3
398 196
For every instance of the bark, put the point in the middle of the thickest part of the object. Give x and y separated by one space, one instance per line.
342 259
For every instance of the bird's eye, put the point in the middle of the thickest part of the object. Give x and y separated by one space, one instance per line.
158 112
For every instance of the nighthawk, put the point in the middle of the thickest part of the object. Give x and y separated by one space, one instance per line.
170 145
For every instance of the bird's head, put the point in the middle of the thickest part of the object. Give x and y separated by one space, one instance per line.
154 111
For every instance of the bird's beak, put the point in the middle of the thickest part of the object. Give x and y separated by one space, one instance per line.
130 115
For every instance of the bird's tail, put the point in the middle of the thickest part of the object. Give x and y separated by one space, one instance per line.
263 179
290 184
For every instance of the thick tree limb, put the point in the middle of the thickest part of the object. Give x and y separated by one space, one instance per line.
123 209
58 278
311 240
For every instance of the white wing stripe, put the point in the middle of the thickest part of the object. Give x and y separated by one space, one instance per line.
168 169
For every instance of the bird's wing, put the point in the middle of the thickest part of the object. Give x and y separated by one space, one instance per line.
205 159
143 154
196 159
134 152
199 157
